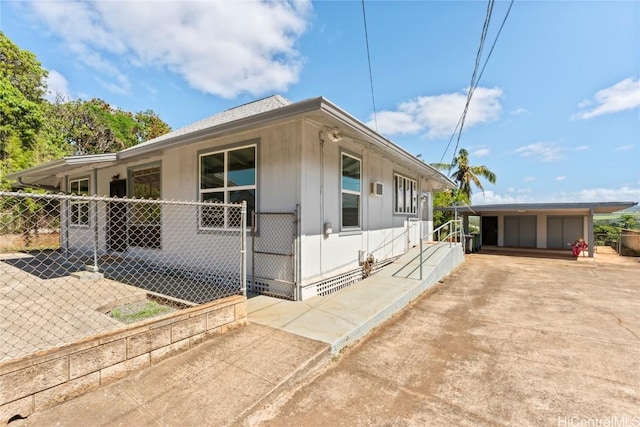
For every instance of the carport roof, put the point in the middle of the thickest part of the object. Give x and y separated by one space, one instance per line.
581 207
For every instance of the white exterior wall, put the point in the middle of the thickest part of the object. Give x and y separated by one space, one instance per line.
382 233
294 168
278 189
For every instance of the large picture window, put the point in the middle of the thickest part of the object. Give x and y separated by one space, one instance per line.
406 195
351 189
227 176
145 226
79 209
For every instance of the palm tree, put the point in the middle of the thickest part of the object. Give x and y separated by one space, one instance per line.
465 174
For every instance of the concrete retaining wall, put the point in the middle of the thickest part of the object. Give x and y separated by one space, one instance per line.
44 379
631 239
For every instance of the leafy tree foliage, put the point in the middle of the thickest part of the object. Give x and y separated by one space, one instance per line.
22 70
629 222
464 174
34 130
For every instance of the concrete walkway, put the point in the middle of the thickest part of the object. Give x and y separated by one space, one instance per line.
343 317
225 378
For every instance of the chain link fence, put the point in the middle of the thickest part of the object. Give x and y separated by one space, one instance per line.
73 266
273 254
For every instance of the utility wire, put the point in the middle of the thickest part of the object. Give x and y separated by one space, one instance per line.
475 85
483 37
366 38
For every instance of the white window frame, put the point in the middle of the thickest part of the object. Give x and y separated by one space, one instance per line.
405 195
347 191
226 188
76 205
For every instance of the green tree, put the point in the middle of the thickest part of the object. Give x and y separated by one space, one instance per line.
23 70
445 199
34 130
22 86
94 126
464 174
628 222
150 125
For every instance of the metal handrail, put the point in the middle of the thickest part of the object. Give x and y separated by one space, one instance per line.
453 228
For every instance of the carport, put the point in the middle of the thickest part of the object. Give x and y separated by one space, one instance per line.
536 225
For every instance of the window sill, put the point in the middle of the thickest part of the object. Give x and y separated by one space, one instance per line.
349 232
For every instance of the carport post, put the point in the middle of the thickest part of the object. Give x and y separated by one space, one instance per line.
590 236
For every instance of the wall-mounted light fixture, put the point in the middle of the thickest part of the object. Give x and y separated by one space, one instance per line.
332 135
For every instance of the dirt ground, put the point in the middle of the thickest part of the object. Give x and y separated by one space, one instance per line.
504 340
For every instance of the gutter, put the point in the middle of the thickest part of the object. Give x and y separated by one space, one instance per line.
300 108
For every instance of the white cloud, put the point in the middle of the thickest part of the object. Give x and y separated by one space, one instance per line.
581 148
622 96
529 178
560 178
622 194
519 111
543 151
625 147
481 152
57 86
438 115
396 123
222 48
490 198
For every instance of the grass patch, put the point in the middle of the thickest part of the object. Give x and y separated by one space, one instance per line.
140 310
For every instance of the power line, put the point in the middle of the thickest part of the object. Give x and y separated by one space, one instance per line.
483 37
474 85
366 38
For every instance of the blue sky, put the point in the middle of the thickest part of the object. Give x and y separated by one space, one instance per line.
556 115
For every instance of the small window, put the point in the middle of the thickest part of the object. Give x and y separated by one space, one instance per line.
351 188
227 176
406 195
79 209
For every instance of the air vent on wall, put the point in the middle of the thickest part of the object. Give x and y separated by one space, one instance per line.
376 188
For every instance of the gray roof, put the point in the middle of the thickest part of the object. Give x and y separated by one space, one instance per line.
230 115
257 113
524 208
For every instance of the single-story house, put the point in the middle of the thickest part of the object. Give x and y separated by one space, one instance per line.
537 225
358 195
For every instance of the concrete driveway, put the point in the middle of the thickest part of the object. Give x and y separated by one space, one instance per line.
504 340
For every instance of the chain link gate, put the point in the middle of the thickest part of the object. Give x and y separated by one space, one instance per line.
67 261
274 270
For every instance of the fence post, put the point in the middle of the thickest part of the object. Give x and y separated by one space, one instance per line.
420 232
94 214
243 248
297 255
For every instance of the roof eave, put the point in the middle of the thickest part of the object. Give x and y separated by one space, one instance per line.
589 207
287 111
384 143
41 172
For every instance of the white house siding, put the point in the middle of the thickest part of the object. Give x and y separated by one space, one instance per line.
278 189
382 234
293 169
